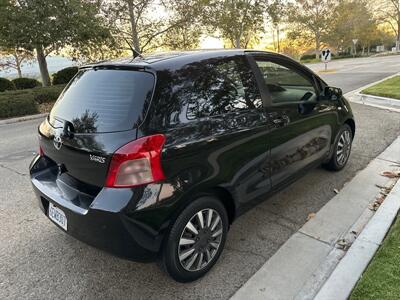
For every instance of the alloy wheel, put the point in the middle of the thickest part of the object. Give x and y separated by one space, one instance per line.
200 240
343 148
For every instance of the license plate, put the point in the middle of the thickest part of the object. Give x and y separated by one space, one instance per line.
57 216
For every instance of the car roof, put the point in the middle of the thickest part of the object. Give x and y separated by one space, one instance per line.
170 60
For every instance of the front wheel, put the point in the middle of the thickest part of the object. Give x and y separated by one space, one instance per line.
196 240
341 149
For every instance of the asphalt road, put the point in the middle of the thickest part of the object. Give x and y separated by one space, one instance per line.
38 260
350 74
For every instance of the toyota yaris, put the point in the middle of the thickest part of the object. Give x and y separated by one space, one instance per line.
153 158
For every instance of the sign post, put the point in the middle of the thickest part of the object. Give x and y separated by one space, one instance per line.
326 56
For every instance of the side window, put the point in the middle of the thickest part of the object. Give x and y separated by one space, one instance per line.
219 87
206 88
285 84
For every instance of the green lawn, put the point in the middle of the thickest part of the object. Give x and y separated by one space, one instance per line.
389 88
381 280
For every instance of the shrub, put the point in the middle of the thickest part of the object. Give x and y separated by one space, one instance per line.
47 94
16 106
65 75
307 57
25 83
6 85
24 102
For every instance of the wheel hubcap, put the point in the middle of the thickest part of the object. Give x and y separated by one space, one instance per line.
200 240
343 148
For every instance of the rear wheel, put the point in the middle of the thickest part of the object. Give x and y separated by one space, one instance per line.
196 240
341 149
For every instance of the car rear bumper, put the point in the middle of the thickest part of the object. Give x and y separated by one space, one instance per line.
104 220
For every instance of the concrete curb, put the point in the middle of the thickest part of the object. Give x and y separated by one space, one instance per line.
365 98
302 266
375 101
21 119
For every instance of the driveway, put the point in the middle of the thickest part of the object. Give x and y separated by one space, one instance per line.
37 260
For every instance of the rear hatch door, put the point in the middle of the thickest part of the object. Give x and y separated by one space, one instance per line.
97 113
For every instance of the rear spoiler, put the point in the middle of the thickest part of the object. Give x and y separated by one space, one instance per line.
114 66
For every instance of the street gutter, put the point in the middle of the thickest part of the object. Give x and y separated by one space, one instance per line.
344 278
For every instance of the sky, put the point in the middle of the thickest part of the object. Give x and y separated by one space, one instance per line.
54 63
209 42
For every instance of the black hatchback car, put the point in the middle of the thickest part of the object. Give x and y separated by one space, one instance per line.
153 158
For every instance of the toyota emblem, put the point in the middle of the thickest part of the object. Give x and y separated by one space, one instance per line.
57 142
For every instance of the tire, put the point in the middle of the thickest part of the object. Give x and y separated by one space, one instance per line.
342 146
175 260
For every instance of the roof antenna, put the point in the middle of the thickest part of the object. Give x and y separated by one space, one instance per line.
134 51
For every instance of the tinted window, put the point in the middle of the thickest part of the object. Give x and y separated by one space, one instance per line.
104 100
284 84
208 88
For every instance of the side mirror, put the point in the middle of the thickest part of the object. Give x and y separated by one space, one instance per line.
333 93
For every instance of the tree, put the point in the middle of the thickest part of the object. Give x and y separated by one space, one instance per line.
182 38
352 19
277 11
312 18
14 59
388 11
238 21
47 26
142 24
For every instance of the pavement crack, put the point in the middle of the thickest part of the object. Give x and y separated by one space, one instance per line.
12 170
315 238
387 160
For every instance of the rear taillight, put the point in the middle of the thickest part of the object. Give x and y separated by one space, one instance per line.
41 152
136 163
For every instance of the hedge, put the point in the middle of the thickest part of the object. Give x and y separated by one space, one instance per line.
65 75
25 102
19 105
6 85
25 83
47 94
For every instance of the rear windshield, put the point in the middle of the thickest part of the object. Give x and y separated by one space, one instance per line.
104 100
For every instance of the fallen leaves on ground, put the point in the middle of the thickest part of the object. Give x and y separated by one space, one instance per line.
391 174
343 244
378 201
310 216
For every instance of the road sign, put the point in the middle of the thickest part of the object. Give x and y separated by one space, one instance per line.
355 41
326 55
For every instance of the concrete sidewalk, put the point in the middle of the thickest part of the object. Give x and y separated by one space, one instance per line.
303 264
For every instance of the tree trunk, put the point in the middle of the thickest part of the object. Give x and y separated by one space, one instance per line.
273 39
277 36
398 32
44 72
237 42
19 71
317 45
17 64
135 37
